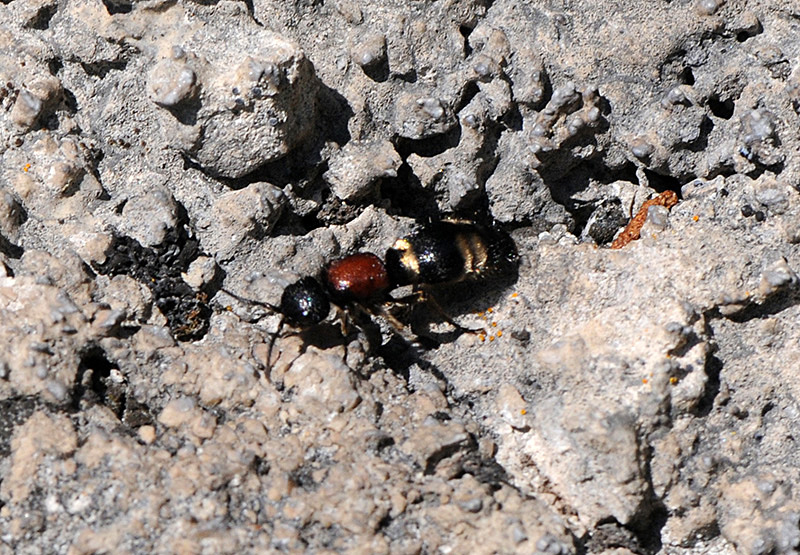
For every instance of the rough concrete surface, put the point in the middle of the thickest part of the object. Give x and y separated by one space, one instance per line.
164 161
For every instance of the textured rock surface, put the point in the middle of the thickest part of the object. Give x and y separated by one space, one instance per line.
636 400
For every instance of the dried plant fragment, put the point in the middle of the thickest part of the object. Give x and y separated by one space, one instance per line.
667 199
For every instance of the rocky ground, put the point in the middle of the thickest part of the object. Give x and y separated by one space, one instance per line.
157 153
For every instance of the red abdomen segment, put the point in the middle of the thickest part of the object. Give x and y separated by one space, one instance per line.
358 277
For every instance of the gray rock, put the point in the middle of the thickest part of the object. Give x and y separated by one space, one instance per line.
357 169
609 400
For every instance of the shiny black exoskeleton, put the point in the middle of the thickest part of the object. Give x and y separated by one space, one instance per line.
304 303
451 251
448 251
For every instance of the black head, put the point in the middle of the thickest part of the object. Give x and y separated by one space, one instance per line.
305 303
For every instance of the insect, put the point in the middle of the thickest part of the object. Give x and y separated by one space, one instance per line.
447 251
450 251
358 282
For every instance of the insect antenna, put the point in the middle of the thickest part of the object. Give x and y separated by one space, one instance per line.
245 300
273 308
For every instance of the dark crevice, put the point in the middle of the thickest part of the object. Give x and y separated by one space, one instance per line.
611 535
251 10
186 111
652 517
15 411
116 6
721 108
773 305
445 452
713 370
565 190
661 183
335 114
486 470
95 383
467 94
41 21
747 34
303 477
101 69
760 169
466 31
261 466
686 76
54 65
700 144
378 71
9 249
69 102
429 146
408 197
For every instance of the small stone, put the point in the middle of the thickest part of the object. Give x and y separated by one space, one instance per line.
356 169
707 7
57 389
149 214
432 106
177 412
171 82
473 505
106 321
369 51
757 126
778 276
512 407
657 217
641 148
201 272
254 209
419 117
27 109
147 434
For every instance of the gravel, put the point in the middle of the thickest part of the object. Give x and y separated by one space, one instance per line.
168 168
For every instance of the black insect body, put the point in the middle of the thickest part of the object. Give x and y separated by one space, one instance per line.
358 278
441 252
449 252
304 303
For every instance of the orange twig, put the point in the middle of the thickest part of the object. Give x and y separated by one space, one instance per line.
631 232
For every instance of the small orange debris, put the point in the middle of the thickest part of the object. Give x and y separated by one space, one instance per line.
499 333
667 199
523 412
673 380
644 381
26 167
514 295
491 338
695 217
482 337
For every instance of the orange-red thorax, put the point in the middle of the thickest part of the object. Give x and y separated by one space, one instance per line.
358 277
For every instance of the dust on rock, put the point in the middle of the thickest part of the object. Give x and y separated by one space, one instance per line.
639 398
